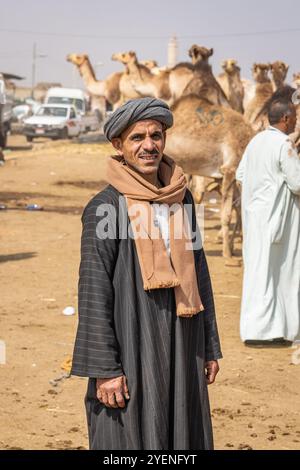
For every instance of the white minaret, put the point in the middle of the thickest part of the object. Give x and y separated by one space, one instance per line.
172 52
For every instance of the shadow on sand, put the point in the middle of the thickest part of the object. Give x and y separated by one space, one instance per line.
17 256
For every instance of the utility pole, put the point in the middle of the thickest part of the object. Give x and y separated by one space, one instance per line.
34 57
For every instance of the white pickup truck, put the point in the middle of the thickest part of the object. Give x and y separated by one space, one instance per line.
6 104
55 121
75 97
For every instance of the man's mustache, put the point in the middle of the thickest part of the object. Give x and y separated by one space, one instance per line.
151 152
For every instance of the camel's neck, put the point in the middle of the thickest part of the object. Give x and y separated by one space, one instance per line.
203 68
234 79
139 71
262 80
89 79
277 83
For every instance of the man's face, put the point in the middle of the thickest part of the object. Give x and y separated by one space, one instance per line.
142 146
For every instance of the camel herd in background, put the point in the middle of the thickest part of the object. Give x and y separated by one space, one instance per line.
214 117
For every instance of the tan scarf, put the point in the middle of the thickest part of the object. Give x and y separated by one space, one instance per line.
157 268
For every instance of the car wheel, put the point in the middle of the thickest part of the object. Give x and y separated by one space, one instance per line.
64 134
3 140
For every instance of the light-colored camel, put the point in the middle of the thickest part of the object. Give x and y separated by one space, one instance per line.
249 91
263 91
209 140
138 80
109 88
296 80
279 72
203 82
231 84
153 66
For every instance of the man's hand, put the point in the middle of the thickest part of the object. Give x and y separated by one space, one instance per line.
212 368
112 392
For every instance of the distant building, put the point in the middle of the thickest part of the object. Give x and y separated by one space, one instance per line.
40 90
172 51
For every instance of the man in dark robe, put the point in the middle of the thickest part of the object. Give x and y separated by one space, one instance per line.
147 337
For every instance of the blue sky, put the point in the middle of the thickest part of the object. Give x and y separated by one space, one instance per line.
255 31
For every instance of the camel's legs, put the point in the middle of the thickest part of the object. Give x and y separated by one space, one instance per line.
198 188
226 210
237 229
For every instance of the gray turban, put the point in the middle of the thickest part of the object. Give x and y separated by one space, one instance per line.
137 110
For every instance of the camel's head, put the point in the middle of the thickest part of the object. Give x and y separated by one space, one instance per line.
150 64
279 71
296 80
125 57
199 53
260 72
77 59
230 66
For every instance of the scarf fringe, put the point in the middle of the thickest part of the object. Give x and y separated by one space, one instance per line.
161 284
189 311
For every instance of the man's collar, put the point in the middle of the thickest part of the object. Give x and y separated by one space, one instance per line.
272 128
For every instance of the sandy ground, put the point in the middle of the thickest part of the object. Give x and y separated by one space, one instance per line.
255 402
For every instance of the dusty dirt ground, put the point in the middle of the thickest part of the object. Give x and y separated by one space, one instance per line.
255 402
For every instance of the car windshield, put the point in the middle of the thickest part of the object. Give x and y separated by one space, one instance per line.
64 100
52 111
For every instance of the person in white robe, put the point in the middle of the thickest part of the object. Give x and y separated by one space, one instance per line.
269 173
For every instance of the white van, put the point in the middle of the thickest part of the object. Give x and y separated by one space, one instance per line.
72 96
76 98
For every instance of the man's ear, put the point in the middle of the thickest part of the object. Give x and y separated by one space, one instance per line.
117 144
285 118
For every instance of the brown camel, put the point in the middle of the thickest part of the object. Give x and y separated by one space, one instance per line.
203 82
263 91
289 92
199 54
231 84
209 140
199 73
279 72
138 80
109 88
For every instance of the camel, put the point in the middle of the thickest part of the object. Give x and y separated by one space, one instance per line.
296 80
199 54
263 91
231 84
153 66
196 75
139 81
279 72
209 140
249 91
203 82
109 88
